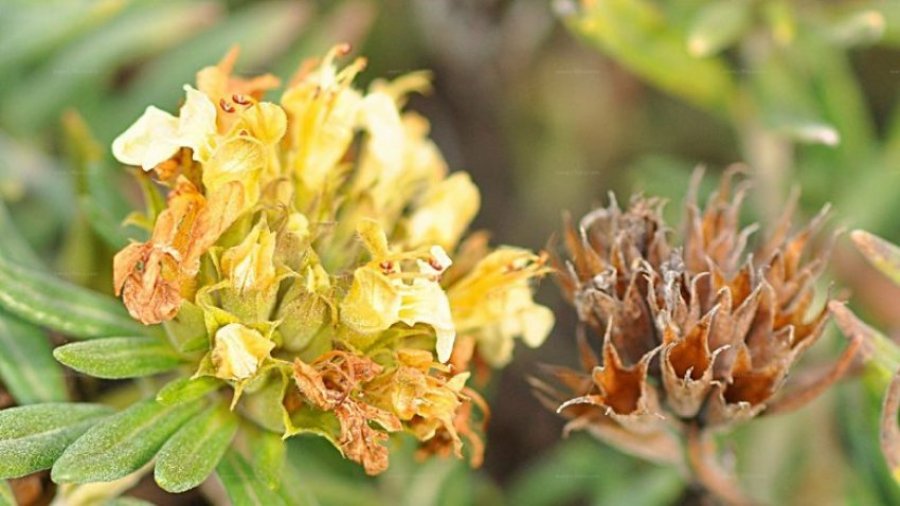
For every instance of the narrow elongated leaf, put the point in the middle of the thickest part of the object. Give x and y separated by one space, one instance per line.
140 30
46 26
27 367
122 443
33 437
718 25
51 302
269 452
786 103
192 454
119 357
187 389
890 432
883 255
6 495
127 501
636 34
327 477
13 245
242 484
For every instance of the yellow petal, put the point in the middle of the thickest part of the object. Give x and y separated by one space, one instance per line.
239 351
151 140
250 265
324 111
196 121
493 302
240 159
372 304
373 237
444 212
265 121
425 302
381 119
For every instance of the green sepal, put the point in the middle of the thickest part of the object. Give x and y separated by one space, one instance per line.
187 331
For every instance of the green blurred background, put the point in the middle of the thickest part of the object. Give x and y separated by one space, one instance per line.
550 106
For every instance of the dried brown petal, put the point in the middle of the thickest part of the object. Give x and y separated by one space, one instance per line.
332 383
153 277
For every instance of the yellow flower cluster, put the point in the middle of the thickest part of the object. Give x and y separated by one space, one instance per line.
311 252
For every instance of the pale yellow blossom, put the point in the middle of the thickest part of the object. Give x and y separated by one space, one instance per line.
383 293
250 265
493 303
323 110
157 135
444 213
239 351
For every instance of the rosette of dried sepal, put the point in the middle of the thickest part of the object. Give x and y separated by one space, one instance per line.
697 332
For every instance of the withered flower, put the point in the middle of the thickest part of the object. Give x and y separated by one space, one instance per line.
152 277
333 383
429 399
696 334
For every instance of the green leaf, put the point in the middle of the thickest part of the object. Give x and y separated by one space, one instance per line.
122 443
27 367
242 484
192 454
883 255
33 437
13 245
841 101
184 390
119 357
784 100
718 25
328 478
637 34
51 302
6 495
269 451
44 27
141 30
127 501
105 206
